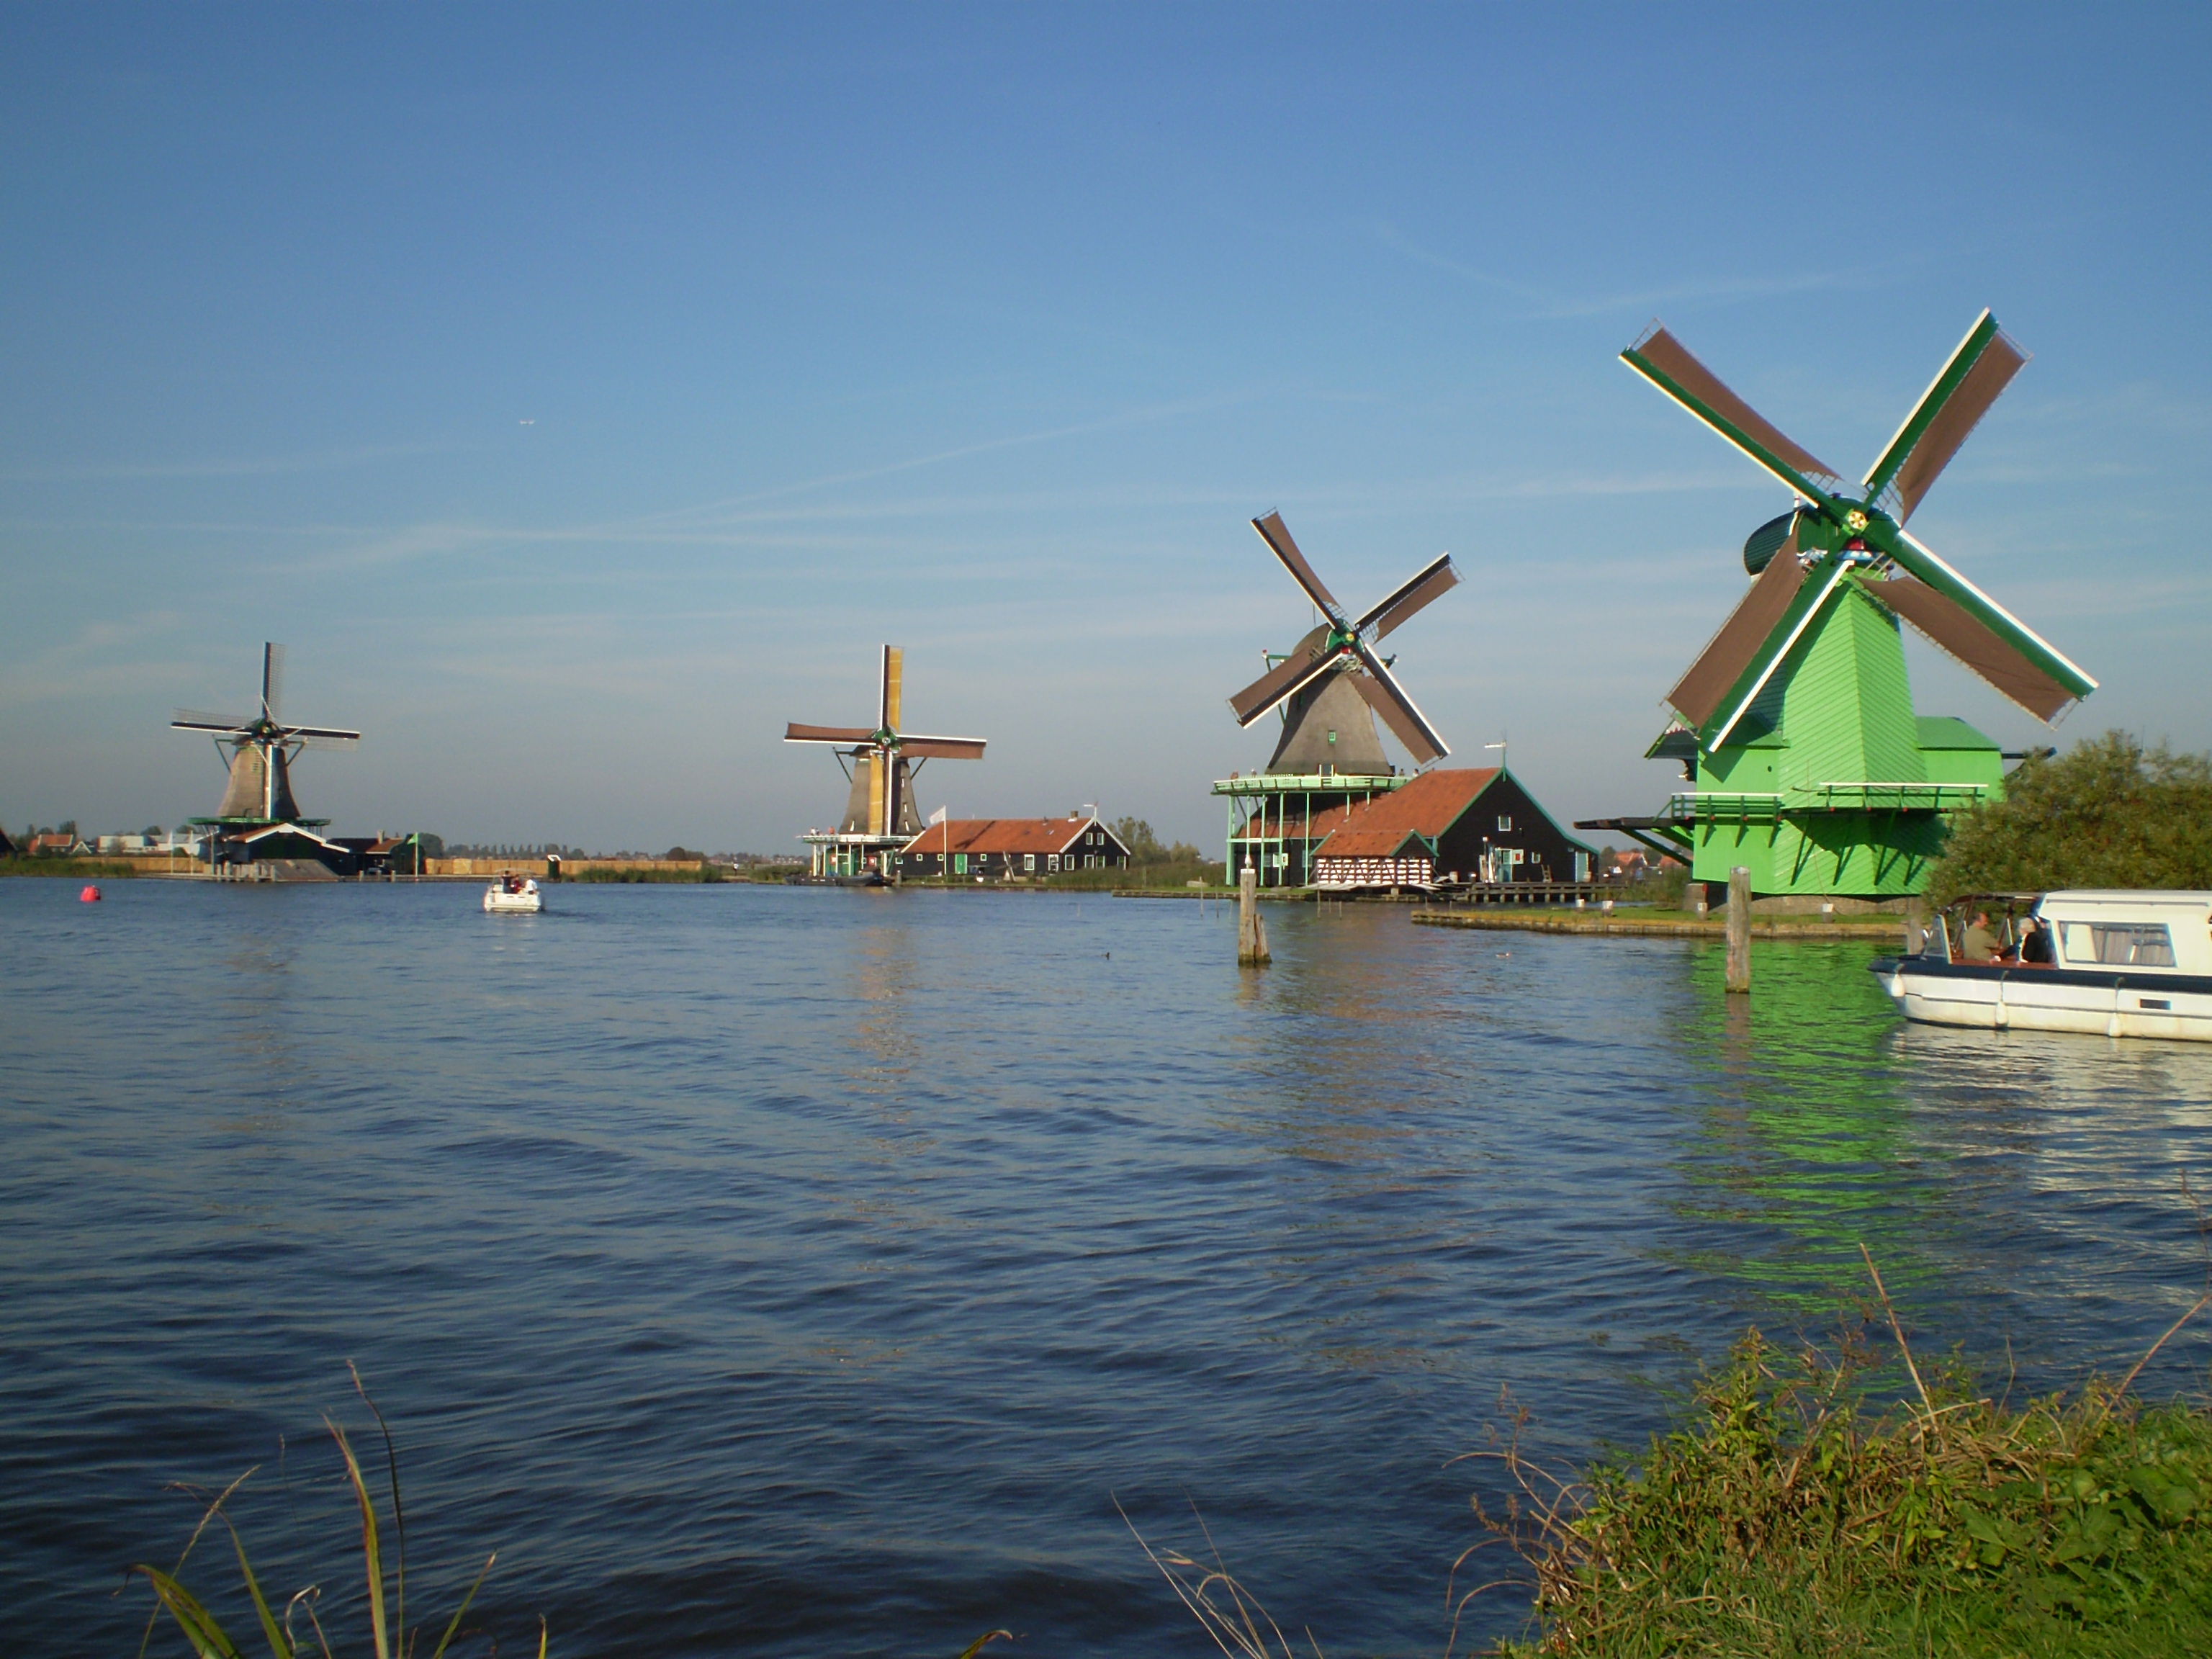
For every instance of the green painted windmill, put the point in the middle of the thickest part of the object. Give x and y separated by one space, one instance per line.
1797 727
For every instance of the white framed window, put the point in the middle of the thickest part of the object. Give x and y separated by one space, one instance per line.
1505 820
2135 945
1029 860
1051 862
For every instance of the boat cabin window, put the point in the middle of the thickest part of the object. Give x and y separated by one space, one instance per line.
2129 945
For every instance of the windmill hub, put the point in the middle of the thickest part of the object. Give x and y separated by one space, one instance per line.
1855 521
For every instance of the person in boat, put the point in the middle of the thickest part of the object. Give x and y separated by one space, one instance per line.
515 883
1980 942
2035 950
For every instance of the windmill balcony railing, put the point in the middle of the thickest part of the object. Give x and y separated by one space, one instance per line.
1807 800
1278 783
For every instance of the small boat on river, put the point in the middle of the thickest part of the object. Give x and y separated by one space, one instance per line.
2114 963
515 895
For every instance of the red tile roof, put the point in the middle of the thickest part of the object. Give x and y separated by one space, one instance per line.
1428 806
1004 835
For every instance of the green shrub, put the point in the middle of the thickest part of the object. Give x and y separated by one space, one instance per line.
2108 813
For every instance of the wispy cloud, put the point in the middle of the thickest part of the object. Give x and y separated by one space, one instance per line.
1144 415
87 663
259 467
1548 305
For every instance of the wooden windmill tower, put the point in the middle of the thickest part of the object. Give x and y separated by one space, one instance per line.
261 748
881 762
1796 727
1331 685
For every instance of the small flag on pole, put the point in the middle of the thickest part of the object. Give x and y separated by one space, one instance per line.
938 816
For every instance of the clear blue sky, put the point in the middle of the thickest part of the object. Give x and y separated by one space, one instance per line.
583 394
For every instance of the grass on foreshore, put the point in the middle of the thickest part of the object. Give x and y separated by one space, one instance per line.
91 869
689 874
1791 1517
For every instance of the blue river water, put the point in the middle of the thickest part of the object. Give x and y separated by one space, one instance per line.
773 1271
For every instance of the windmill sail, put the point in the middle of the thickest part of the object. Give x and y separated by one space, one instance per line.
1947 411
1411 727
1277 535
1957 630
1400 607
1286 679
2015 636
1812 597
1666 363
1724 661
1400 712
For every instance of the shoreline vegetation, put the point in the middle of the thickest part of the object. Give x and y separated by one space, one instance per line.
383 1580
1836 1501
1814 1501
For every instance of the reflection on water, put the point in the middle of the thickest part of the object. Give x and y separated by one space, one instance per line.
786 1271
1805 1144
1831 1123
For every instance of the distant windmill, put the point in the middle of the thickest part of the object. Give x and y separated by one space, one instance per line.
1333 676
262 749
880 808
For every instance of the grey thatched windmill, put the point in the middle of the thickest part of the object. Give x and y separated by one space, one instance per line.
261 749
1333 677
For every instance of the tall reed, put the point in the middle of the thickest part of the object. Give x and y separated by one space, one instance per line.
389 1637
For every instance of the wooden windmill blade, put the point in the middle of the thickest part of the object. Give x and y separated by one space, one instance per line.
843 736
1277 535
1954 404
1411 596
1816 590
1286 679
1666 363
1998 645
1341 645
198 719
894 680
272 681
942 748
1730 653
1951 627
1400 712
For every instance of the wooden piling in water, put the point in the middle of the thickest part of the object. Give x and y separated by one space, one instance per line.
1251 933
1739 930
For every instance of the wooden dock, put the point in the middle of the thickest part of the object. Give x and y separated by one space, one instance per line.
1532 921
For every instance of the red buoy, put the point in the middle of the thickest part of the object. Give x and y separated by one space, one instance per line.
90 895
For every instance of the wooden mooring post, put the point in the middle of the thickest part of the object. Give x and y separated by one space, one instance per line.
1739 929
1251 933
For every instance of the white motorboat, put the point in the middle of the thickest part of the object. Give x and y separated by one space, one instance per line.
516 894
2112 963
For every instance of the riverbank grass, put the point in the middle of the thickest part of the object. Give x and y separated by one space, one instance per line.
1790 1517
72 868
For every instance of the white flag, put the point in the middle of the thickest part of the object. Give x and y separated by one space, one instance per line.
938 816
